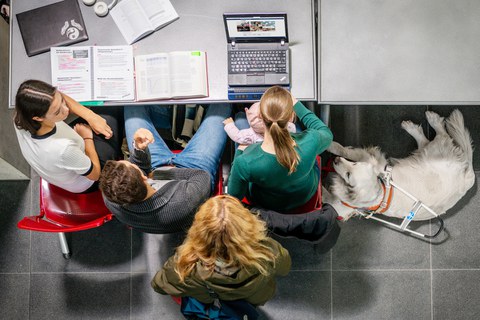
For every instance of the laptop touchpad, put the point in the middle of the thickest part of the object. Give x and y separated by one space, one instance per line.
255 79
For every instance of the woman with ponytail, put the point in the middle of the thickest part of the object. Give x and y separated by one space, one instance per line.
281 173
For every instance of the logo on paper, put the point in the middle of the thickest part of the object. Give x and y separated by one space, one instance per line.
72 29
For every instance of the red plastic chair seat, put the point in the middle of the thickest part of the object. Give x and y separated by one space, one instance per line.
63 211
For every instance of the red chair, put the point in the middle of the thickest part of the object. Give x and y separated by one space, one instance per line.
62 211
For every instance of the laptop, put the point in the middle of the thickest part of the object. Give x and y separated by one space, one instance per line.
57 24
258 55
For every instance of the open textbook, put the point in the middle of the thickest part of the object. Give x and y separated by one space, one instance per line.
106 73
137 18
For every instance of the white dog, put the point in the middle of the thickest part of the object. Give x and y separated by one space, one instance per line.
438 173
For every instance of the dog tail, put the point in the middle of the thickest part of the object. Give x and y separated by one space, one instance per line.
460 135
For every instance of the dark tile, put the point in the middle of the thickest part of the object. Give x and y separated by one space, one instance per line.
300 295
456 294
368 244
381 295
471 114
376 125
80 296
459 250
106 249
147 304
305 256
15 243
150 251
14 297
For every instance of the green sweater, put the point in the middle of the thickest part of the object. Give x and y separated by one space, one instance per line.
258 175
250 285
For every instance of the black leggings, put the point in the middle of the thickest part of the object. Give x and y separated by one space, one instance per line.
107 149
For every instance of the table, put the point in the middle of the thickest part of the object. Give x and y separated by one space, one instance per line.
200 27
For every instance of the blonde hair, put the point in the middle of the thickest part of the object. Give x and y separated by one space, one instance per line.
276 108
223 229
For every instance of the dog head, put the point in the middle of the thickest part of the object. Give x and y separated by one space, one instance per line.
356 183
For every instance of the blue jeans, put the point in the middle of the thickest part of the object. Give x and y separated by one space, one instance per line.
202 152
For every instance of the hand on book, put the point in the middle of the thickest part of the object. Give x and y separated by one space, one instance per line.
142 138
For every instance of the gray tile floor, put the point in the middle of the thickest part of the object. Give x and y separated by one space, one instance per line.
372 273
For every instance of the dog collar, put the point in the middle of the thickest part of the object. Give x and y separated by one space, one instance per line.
383 205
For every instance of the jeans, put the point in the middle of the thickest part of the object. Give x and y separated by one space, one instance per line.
202 152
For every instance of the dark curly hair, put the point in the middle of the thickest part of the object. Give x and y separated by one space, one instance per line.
122 184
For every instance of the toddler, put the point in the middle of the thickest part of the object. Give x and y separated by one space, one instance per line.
253 134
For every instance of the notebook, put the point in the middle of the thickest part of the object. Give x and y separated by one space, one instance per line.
258 55
57 24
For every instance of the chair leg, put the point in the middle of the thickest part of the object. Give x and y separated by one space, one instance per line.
64 245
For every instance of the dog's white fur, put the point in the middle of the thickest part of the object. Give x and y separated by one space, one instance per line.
438 173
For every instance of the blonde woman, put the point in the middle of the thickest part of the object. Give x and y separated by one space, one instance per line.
281 173
228 252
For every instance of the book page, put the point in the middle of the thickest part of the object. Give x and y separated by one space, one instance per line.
188 74
152 76
71 71
113 73
131 20
160 12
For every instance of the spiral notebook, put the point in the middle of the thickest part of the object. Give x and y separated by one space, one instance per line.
58 24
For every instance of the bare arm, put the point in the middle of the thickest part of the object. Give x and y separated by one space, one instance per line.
86 133
97 123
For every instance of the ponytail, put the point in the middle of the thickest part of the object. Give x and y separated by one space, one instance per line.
276 108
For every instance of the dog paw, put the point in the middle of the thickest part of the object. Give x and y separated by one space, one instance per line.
435 121
408 125
336 149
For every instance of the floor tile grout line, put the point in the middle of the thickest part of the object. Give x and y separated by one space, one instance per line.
431 276
131 273
331 285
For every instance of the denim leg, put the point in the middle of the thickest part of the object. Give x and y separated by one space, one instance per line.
241 123
150 117
206 147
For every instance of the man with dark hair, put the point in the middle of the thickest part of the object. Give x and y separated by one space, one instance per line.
163 199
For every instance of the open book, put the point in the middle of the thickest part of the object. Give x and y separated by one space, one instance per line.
137 18
105 73
177 74
94 72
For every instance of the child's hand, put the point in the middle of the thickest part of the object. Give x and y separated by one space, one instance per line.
143 137
227 121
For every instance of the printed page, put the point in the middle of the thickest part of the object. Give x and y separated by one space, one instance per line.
113 73
188 74
71 71
160 12
152 76
131 20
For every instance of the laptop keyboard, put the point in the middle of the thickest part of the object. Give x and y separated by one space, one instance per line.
247 61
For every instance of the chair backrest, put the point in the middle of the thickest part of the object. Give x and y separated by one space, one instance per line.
63 211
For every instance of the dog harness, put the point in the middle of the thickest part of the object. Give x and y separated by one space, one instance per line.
383 206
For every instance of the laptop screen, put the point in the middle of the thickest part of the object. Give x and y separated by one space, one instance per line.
256 27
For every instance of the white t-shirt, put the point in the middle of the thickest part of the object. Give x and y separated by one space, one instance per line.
58 157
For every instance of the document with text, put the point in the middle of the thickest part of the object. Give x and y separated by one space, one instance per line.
138 18
180 74
111 73
94 73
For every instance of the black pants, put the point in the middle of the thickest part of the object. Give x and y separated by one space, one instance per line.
107 149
